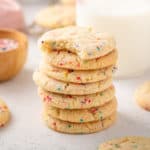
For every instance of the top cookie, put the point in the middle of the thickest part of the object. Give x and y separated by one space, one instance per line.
84 42
127 143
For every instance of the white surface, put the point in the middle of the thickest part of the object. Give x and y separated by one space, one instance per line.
26 130
129 22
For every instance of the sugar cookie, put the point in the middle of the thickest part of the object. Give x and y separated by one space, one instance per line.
84 115
56 86
127 143
84 42
71 61
76 102
142 95
78 128
75 76
4 113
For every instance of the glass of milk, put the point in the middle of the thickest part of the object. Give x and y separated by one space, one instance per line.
129 22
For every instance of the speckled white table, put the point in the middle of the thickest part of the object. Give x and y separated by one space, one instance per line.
26 130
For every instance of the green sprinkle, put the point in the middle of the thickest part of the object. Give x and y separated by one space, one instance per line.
69 125
117 146
101 94
58 89
68 106
135 146
101 115
81 120
53 44
98 48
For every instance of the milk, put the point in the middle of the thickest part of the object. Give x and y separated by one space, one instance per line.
129 22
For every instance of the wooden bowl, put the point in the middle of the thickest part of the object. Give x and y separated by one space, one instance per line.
12 61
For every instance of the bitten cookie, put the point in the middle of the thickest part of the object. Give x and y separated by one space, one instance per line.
56 86
127 143
56 16
84 115
71 61
84 42
142 95
75 76
4 113
76 102
78 128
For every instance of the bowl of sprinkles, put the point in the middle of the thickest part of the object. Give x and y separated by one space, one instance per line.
13 53
7 44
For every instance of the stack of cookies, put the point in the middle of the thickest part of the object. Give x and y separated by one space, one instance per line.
75 80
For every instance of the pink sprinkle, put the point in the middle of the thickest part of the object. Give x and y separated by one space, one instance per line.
49 98
78 65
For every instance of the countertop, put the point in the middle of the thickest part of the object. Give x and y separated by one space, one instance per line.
26 130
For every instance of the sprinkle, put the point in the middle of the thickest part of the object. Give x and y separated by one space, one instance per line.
78 65
98 48
101 115
61 64
7 44
54 123
114 69
69 96
81 120
78 78
66 74
70 71
53 44
89 101
104 73
68 106
59 89
48 98
69 125
101 94
93 110
135 146
85 61
86 100
117 146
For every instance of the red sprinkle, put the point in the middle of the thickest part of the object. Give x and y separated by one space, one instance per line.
61 64
69 96
93 110
78 78
54 123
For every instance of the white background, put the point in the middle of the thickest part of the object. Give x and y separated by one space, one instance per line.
26 131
